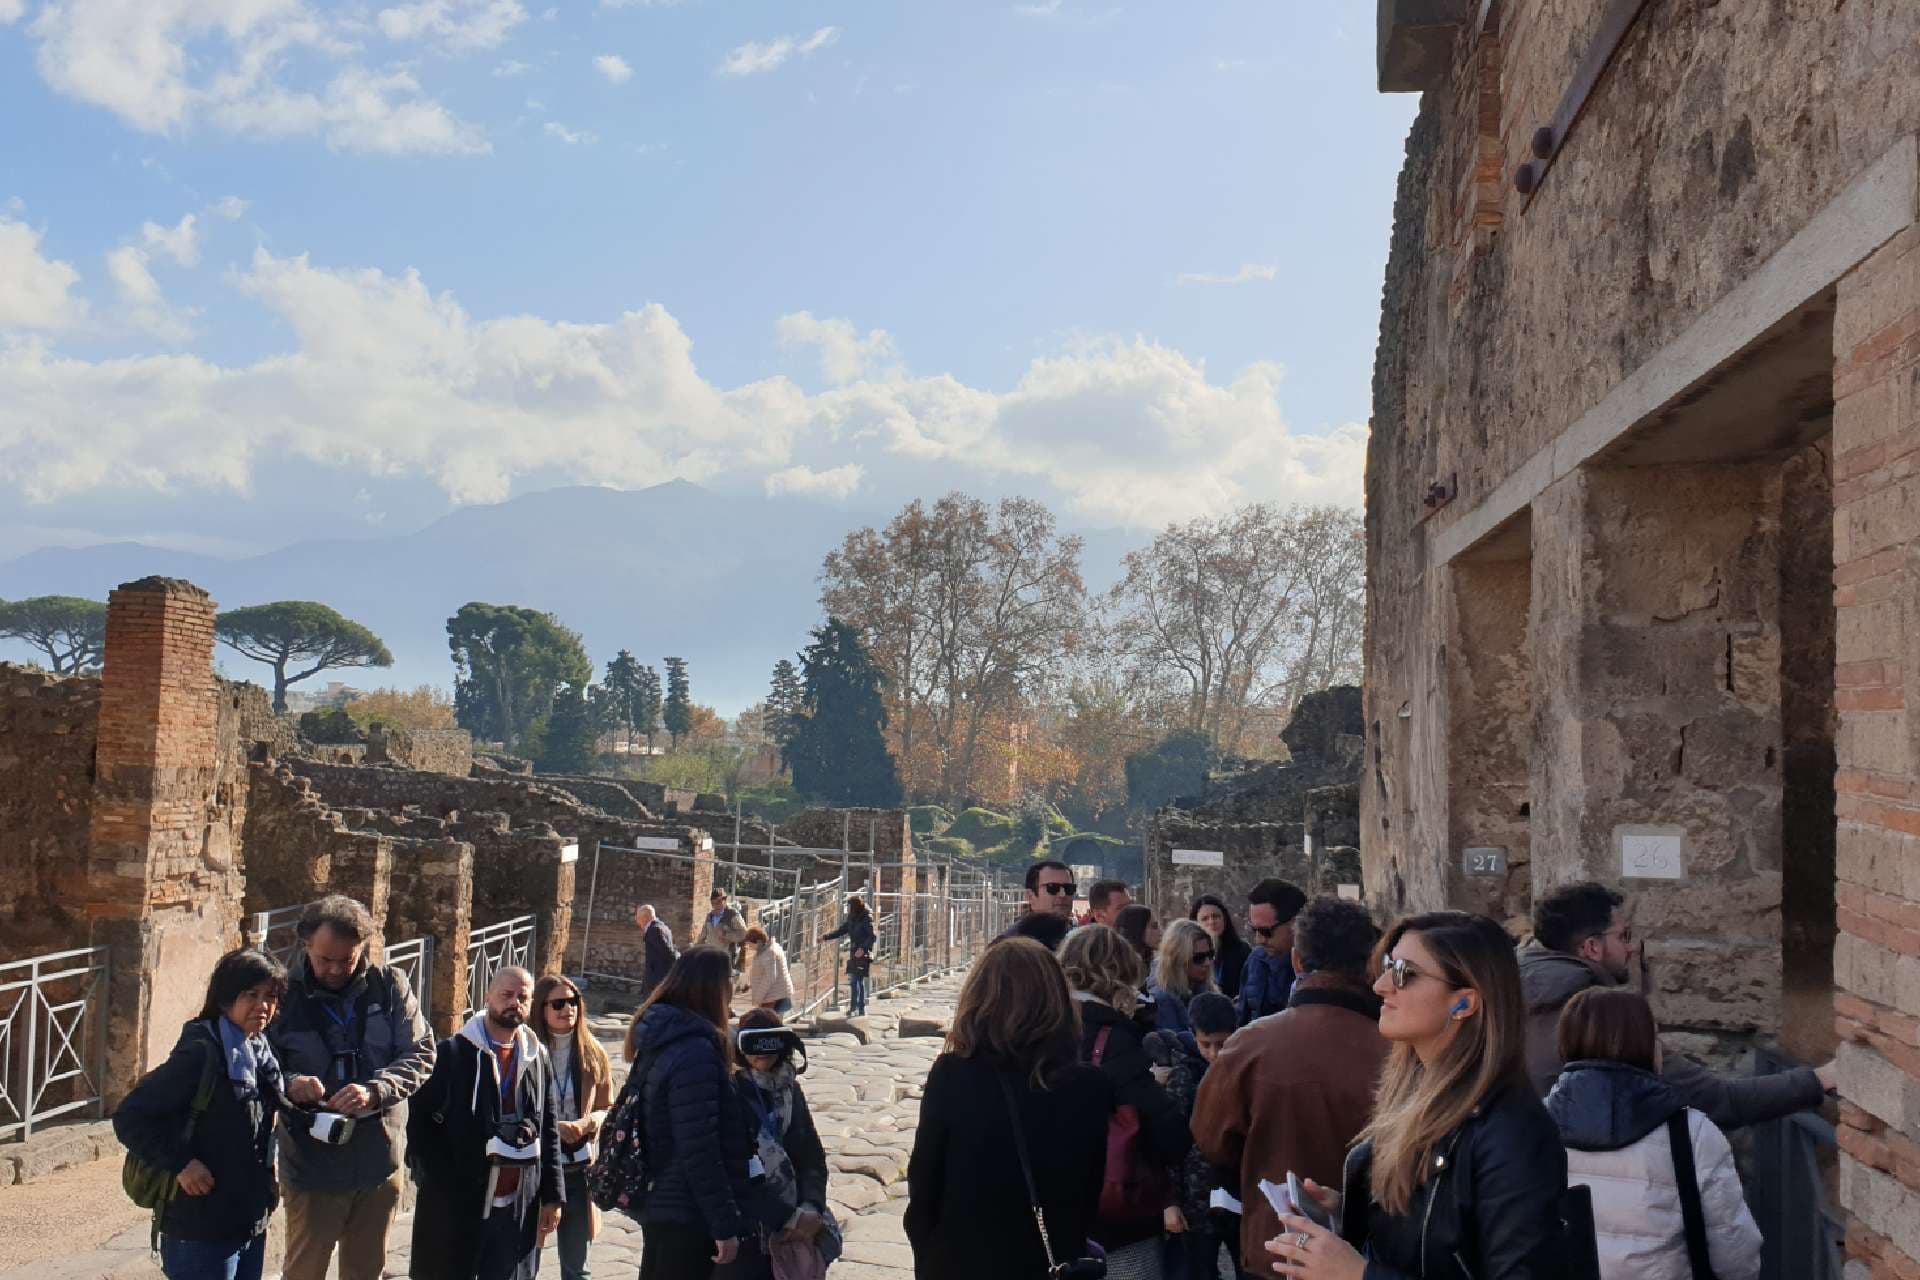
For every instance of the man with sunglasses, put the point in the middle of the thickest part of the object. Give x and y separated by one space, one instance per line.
1050 889
1583 937
1268 979
351 1039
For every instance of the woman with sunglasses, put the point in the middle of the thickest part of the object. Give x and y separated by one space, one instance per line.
583 1088
1459 1174
1183 969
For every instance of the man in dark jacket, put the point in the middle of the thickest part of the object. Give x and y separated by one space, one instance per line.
660 951
1268 977
350 1038
1290 1093
1583 937
485 1134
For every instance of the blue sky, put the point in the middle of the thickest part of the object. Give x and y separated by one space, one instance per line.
1123 256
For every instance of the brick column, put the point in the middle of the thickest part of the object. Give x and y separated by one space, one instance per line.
1656 703
161 893
1877 559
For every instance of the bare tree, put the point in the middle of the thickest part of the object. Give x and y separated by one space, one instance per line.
1247 611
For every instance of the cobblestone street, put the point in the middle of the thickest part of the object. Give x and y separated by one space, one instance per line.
76 1225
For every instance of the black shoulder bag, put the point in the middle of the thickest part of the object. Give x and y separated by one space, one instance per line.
1692 1216
1080 1268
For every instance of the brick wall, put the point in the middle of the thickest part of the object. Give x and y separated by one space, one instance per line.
47 729
1876 443
604 939
430 894
297 849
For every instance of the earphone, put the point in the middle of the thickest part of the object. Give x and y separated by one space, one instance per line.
1461 1005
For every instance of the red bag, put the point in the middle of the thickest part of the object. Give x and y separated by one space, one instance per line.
1135 1192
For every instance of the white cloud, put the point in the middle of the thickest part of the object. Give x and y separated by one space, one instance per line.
35 292
584 137
838 483
1249 273
143 307
510 68
386 378
752 59
454 26
11 11
167 66
1045 9
613 67
232 208
181 243
844 354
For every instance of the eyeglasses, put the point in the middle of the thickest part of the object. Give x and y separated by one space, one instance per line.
563 1002
1055 888
1203 957
1402 973
1265 930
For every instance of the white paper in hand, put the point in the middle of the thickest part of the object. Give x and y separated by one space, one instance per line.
1223 1199
1276 1194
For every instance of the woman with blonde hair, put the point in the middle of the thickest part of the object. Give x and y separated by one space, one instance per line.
1008 1158
1461 1170
583 1092
1183 970
1105 972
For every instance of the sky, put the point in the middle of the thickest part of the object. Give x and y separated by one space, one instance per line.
273 270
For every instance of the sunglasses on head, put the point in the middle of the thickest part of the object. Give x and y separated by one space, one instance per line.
1056 889
563 1002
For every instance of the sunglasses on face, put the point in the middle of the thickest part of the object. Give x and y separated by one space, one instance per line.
1203 957
1056 889
1265 930
563 1002
1402 973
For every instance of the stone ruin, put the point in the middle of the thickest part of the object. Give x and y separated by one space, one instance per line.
158 813
1298 819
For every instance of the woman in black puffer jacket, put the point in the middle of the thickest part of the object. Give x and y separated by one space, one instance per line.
697 1136
216 1222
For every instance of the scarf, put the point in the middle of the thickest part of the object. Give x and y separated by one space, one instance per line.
250 1061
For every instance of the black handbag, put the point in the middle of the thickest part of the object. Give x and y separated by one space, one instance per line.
1079 1268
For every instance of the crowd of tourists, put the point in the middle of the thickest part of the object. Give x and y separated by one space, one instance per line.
1119 1096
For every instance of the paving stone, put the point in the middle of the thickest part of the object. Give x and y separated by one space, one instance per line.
880 1253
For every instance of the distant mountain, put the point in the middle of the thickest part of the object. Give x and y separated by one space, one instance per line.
727 581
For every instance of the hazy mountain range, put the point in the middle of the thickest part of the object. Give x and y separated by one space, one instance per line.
727 581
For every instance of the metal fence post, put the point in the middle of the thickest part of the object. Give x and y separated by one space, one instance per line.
29 1099
586 932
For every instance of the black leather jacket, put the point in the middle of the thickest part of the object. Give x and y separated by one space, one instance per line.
1489 1209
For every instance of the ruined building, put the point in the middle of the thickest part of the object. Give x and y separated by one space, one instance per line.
1643 522
154 816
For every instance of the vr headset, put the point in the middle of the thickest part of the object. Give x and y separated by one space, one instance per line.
755 1041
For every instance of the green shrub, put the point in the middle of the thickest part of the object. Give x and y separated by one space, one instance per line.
948 847
929 819
981 827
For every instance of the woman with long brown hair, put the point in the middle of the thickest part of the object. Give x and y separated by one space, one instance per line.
583 1090
697 1138
1008 1108
1460 1172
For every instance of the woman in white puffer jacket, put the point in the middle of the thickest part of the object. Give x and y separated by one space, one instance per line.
1613 1111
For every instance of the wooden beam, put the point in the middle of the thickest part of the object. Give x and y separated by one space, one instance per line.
1548 141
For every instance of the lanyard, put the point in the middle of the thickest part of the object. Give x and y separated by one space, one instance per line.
760 1108
509 1075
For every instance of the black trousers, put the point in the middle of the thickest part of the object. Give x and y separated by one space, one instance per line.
670 1251
507 1249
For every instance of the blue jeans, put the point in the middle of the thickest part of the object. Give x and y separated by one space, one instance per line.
575 1222
857 995
213 1259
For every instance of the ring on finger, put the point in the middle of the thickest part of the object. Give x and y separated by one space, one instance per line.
1300 1239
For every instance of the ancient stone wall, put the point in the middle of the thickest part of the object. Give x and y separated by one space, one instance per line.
523 871
47 730
1251 852
619 799
299 850
446 751
430 895
676 884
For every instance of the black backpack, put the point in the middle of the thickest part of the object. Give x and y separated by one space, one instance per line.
617 1179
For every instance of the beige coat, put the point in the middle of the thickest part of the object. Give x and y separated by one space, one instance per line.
768 978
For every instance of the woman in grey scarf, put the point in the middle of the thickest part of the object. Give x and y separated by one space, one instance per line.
798 1236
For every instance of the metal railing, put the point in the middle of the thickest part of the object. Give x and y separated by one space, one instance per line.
1803 1233
52 1037
414 957
276 932
489 950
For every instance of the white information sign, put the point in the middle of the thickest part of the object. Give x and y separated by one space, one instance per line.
569 853
1651 853
1350 892
1199 858
665 844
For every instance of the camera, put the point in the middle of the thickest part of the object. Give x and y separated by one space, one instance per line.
331 1128
514 1142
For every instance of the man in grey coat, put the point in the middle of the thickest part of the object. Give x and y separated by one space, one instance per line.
351 1040
1583 937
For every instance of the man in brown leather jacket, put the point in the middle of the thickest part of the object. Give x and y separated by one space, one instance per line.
1292 1091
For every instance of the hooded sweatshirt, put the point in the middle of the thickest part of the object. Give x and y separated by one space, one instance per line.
1613 1119
1551 978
